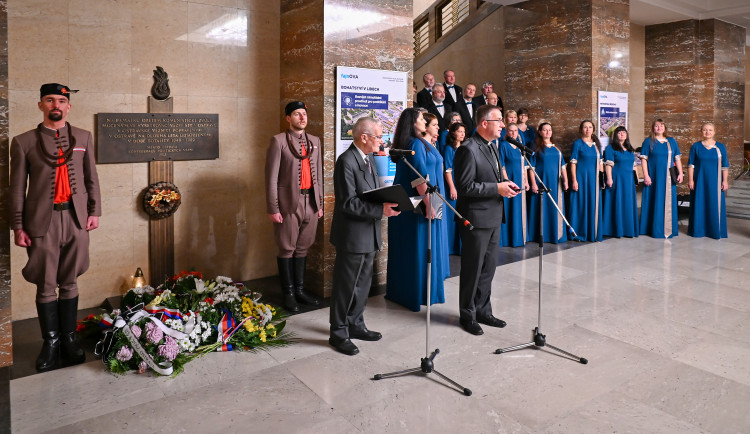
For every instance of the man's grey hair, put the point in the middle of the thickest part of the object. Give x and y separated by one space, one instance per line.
364 126
437 85
488 83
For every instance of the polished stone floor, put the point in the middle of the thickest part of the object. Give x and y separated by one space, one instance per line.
663 323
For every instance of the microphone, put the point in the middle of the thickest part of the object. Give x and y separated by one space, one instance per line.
520 146
397 154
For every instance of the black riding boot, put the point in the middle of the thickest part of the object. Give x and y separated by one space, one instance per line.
49 357
72 353
287 288
299 283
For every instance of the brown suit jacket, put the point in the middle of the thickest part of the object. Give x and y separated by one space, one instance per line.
283 175
32 210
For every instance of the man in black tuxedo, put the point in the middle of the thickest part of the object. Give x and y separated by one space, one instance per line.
355 231
487 88
466 108
453 92
439 106
424 96
481 187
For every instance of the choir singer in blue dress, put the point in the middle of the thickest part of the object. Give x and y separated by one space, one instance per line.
550 166
585 207
513 230
620 215
659 200
708 173
408 232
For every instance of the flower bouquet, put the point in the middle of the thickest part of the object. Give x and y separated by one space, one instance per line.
164 328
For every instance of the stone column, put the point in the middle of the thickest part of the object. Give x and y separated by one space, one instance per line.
695 73
6 336
559 54
316 36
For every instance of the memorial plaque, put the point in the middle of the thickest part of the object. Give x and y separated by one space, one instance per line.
143 137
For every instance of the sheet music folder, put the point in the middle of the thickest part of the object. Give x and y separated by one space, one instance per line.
392 193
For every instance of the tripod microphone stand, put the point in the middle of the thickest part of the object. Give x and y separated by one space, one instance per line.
427 365
538 339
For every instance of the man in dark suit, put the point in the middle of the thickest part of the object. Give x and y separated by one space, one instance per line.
466 108
487 88
294 201
424 96
355 231
481 188
439 107
453 92
55 202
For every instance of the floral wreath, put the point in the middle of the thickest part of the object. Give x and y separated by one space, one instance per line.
161 199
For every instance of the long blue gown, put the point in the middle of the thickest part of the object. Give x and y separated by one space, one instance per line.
407 237
708 209
659 200
513 231
549 165
585 205
451 226
620 215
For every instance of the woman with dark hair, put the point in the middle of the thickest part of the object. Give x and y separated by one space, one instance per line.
550 165
527 131
659 199
513 230
432 129
408 232
456 135
620 216
585 205
443 138
708 173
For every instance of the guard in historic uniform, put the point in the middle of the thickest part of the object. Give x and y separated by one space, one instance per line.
55 161
294 201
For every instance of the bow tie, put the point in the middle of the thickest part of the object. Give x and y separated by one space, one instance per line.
429 90
469 103
438 106
450 87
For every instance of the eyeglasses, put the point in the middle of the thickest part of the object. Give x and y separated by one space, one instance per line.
372 135
492 120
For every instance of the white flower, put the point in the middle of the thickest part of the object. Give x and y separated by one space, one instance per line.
223 279
200 286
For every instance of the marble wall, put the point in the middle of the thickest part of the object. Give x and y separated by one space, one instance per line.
475 57
637 84
694 74
6 335
559 55
317 36
222 57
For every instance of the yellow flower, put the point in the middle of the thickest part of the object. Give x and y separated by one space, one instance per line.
250 326
262 335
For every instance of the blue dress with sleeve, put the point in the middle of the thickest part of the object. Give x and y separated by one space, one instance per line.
585 205
708 209
659 200
407 237
528 136
451 225
549 165
620 215
513 230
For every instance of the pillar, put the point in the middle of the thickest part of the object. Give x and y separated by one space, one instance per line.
559 54
316 36
695 73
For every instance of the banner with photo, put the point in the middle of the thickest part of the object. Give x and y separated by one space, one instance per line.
613 113
376 93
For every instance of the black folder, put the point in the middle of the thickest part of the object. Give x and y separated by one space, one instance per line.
392 193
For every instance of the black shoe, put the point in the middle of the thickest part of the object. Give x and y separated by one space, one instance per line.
472 327
72 353
344 346
299 283
492 321
364 335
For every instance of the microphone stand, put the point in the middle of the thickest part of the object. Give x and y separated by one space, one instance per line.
538 339
427 365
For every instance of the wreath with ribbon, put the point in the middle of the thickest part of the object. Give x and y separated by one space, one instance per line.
161 200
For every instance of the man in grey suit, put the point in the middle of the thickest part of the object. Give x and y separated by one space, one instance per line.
355 231
481 188
55 202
